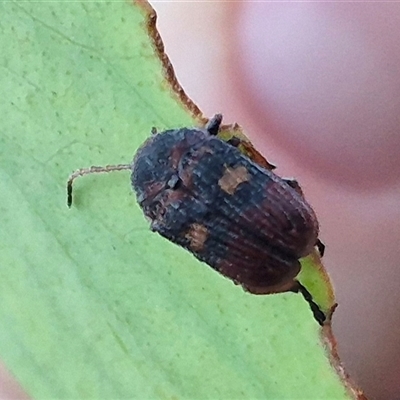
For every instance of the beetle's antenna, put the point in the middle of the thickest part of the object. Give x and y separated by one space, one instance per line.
213 124
92 170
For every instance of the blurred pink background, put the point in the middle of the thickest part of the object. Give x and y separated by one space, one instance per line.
316 87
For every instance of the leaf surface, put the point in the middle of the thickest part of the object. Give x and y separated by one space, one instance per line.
93 305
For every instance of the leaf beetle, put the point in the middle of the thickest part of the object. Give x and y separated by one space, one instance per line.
238 216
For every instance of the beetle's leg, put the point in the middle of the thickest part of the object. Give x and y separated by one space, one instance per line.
318 314
320 247
235 141
92 170
295 185
213 124
153 130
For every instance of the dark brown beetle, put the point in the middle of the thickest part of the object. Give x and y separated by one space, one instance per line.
203 194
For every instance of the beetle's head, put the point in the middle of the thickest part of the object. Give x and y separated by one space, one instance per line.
155 178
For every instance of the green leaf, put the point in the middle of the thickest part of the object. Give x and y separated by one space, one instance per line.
93 305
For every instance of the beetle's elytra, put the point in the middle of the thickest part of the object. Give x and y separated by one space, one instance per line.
203 194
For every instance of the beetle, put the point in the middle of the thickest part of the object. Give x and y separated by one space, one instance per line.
239 217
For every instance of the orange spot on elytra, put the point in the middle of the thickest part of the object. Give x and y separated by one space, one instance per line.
197 235
232 178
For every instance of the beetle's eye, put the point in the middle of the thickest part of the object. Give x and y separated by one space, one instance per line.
174 182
